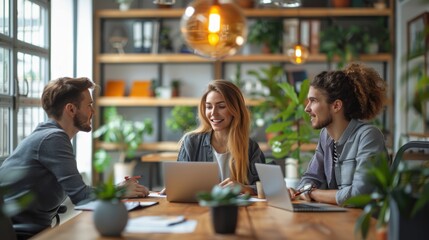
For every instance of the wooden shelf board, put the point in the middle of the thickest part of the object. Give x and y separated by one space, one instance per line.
151 58
171 146
256 12
191 58
152 146
156 102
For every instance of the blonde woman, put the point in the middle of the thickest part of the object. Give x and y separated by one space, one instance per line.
223 137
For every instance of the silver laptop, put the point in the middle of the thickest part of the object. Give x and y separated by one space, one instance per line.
277 194
183 180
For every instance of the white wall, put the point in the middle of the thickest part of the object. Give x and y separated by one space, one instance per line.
62 59
406 10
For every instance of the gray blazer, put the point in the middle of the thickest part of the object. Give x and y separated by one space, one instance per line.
359 142
197 148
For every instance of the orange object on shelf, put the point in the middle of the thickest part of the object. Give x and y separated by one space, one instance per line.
115 88
140 89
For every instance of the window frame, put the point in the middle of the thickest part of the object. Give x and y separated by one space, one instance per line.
14 100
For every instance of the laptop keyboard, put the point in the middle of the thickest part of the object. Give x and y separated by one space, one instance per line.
305 207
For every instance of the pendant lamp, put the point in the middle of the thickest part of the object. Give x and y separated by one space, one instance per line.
214 28
297 54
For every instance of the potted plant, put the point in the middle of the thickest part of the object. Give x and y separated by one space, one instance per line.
268 33
376 37
285 108
110 214
183 119
175 87
421 98
128 135
400 198
344 42
124 5
223 203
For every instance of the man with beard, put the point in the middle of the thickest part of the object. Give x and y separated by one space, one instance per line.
338 101
47 157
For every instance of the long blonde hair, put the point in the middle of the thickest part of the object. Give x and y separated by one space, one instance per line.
238 136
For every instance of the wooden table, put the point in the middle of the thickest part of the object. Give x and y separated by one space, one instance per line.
257 221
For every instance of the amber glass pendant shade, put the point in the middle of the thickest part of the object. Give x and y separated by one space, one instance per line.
297 54
214 29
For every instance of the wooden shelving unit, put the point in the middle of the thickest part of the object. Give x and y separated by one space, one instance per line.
102 59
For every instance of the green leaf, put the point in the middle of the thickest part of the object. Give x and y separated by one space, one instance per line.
358 201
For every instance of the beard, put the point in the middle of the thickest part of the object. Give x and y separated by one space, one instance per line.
323 123
80 122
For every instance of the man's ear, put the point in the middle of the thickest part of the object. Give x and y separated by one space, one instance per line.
337 105
70 108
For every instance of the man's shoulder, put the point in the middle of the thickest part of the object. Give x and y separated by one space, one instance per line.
364 127
47 130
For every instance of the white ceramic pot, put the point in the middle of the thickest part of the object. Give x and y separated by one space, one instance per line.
110 218
124 5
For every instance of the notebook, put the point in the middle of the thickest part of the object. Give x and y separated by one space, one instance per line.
183 180
129 205
277 194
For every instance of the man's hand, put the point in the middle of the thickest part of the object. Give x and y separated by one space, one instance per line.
134 189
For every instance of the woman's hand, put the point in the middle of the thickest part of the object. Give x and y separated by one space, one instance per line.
134 189
244 188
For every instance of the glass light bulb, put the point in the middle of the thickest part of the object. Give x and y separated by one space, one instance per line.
214 29
281 3
297 54
164 2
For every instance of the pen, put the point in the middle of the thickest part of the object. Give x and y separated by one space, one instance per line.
305 188
133 178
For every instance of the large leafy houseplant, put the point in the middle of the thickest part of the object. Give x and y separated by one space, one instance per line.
285 109
401 185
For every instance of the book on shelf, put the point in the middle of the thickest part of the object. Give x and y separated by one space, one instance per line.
304 32
146 36
314 36
141 88
115 88
290 32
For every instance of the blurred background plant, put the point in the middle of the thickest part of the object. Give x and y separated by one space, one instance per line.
183 119
128 135
268 33
284 114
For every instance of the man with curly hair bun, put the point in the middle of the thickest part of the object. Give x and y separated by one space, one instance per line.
338 104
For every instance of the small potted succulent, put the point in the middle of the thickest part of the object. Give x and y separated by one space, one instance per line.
224 203
110 214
